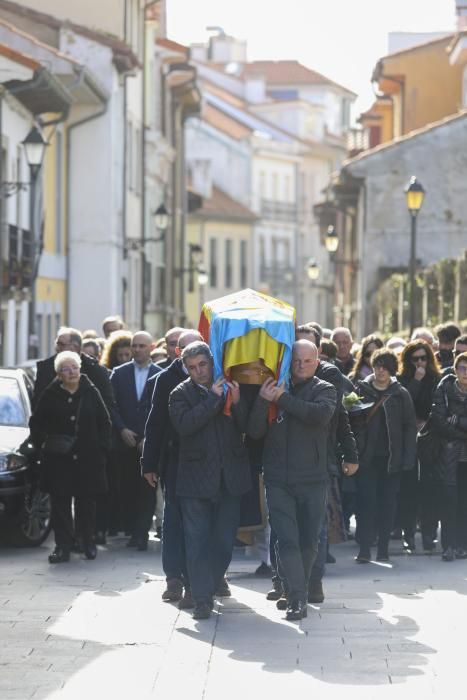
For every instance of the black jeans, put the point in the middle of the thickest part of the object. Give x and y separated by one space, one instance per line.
377 493
210 527
296 513
62 518
454 511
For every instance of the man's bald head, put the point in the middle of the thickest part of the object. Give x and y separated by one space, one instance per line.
141 346
304 360
188 336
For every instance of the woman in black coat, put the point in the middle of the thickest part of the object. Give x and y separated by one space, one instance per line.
449 421
385 436
419 373
71 410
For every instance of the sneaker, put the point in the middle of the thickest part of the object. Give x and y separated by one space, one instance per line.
174 590
263 570
187 602
282 603
223 590
202 611
315 592
296 610
275 593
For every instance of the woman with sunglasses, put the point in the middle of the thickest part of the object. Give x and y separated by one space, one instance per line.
362 367
449 421
419 373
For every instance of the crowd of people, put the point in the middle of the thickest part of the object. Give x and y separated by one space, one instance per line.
128 429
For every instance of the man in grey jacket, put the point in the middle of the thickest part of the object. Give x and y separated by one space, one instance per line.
213 471
295 466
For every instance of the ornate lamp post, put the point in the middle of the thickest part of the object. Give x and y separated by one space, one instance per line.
414 194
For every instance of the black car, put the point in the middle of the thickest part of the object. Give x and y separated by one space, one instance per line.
24 508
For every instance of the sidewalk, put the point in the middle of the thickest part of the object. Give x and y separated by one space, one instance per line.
99 630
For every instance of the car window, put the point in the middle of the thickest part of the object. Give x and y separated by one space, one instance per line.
11 403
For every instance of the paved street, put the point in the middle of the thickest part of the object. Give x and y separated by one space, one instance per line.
100 630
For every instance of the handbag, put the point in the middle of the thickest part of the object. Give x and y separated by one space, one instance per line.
61 443
429 442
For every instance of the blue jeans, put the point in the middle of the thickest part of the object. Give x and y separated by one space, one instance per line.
173 543
210 527
297 513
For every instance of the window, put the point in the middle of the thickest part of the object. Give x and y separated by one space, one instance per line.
58 191
213 262
228 262
243 264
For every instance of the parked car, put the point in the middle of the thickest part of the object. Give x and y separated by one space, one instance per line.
24 508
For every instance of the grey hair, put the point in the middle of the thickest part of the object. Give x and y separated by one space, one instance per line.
197 347
76 337
62 357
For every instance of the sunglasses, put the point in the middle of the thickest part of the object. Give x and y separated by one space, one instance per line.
421 358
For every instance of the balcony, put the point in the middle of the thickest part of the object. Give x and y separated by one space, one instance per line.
278 211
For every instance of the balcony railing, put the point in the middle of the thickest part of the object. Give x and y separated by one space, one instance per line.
278 211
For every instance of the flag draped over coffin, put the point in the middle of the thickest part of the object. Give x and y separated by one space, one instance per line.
245 326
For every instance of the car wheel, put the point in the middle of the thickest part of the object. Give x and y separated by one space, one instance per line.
31 527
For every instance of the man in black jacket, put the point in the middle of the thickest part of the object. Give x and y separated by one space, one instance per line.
295 466
71 339
213 472
159 461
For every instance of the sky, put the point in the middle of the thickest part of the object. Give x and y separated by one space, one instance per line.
343 39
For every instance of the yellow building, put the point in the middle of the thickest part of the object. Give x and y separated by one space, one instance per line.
220 233
417 86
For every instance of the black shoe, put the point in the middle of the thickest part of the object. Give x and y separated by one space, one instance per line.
202 611
409 544
132 542
100 537
315 592
90 550
174 590
448 554
296 610
223 590
263 570
187 601
275 593
282 603
329 558
59 555
363 557
461 553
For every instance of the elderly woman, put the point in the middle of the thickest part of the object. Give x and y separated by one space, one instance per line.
385 434
71 427
449 422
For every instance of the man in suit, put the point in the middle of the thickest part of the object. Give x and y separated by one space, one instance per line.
132 401
159 463
71 339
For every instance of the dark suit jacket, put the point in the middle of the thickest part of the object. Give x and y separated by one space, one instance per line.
98 375
128 411
160 438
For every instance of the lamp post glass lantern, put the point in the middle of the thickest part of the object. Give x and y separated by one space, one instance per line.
331 240
161 217
34 147
312 269
414 194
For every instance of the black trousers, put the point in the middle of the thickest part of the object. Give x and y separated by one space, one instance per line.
454 511
62 518
138 497
377 493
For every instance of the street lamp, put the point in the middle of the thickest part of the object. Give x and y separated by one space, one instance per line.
161 218
34 147
312 269
414 194
161 222
331 240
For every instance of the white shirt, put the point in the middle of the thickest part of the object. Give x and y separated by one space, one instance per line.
141 377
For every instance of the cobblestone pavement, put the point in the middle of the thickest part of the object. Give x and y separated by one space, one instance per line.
100 630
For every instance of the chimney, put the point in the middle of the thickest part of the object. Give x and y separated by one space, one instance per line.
461 12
